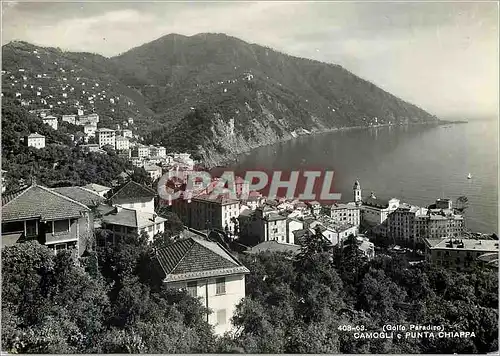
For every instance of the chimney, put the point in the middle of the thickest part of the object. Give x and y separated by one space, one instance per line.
372 195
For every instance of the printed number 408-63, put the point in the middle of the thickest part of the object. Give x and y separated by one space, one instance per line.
351 328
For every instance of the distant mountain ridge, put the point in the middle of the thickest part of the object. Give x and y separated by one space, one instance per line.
241 95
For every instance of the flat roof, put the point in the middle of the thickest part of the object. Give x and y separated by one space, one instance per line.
468 244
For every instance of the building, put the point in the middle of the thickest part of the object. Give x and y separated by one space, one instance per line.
445 204
206 271
126 133
162 151
134 196
458 253
292 225
91 119
122 143
374 211
125 154
141 151
87 197
137 161
402 224
123 222
440 223
3 181
208 212
333 231
35 140
101 190
153 171
314 207
106 137
39 213
264 224
91 147
70 119
254 200
346 213
51 121
411 223
90 130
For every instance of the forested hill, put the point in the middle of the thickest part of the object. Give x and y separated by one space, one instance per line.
244 94
238 96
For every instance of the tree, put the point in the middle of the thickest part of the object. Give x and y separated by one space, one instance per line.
462 204
49 304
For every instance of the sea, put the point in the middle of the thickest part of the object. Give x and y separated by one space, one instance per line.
416 164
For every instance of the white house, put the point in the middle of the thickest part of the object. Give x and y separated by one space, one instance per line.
292 225
106 137
135 196
69 119
206 271
154 171
51 121
130 222
35 140
126 133
122 143
89 130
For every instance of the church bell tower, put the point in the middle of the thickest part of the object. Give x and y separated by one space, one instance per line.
356 189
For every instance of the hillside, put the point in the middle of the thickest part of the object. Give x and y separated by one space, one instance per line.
50 78
211 94
251 95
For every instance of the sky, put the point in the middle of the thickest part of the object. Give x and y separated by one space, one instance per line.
441 56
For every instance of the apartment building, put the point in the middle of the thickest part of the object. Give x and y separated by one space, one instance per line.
106 137
459 253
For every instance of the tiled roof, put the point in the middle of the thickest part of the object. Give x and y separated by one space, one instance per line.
97 187
195 257
223 198
273 246
40 202
81 195
8 197
36 135
131 218
274 217
131 190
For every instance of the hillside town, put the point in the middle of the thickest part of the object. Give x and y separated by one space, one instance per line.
120 235
202 256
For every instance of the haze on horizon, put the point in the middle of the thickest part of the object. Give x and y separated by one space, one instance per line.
442 57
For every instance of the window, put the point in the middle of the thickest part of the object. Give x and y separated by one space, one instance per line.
61 226
192 289
60 247
221 316
31 228
220 286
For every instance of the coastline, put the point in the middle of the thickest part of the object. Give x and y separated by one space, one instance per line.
233 157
